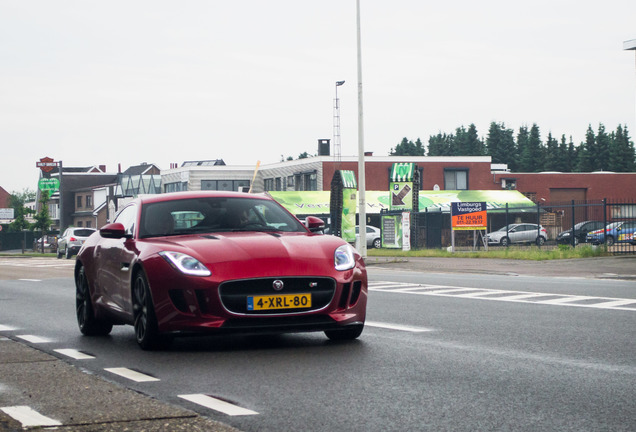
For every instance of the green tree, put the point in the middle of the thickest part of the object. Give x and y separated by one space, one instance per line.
601 153
42 218
586 152
621 157
20 212
530 149
408 148
551 160
440 144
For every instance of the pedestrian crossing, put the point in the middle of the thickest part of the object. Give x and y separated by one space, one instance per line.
504 295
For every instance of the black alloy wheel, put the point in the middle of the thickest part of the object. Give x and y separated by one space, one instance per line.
540 241
145 320
610 241
505 241
88 324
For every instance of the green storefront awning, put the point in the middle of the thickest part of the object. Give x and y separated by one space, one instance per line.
317 202
402 172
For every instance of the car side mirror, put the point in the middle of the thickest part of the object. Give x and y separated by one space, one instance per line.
314 224
113 230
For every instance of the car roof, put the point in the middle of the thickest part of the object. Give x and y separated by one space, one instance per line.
199 194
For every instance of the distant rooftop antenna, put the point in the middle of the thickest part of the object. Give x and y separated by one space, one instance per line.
337 153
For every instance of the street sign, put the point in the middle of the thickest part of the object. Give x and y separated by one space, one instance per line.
46 164
49 184
469 216
6 213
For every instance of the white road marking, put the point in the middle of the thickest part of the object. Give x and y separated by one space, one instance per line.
217 404
7 328
509 296
34 339
31 280
397 327
131 374
29 417
74 354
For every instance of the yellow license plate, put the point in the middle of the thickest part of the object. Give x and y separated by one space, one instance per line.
283 301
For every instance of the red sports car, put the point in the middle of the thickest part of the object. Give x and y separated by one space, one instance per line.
216 262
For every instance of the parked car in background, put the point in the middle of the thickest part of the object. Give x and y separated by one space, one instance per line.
72 240
580 232
616 232
374 236
518 233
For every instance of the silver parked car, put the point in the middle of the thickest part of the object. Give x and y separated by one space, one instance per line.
518 233
72 240
374 237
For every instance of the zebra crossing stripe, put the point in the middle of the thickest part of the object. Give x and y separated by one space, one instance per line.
509 296
29 417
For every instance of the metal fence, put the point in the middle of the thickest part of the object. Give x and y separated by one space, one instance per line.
612 223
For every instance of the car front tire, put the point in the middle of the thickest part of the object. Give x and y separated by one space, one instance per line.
610 241
348 333
505 241
145 320
88 324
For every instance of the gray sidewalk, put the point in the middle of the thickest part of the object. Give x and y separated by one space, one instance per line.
78 401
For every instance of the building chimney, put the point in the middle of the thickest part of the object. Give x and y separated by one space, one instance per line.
323 147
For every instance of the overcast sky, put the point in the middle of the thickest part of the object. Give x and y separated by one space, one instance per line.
125 82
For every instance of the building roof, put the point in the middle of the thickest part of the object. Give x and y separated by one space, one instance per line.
140 169
210 162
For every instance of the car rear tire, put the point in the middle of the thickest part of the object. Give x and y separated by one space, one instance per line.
68 253
505 241
145 320
59 253
348 333
88 324
540 241
377 243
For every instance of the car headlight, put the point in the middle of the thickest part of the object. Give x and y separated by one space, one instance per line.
567 234
344 257
185 263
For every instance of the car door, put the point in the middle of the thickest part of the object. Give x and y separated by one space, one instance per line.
516 234
114 257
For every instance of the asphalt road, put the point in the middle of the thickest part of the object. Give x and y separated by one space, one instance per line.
449 345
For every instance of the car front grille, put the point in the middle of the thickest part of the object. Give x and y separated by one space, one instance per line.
234 294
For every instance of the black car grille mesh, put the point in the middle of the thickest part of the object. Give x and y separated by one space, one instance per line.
234 294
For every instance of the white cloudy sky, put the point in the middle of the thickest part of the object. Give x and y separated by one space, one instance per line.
107 82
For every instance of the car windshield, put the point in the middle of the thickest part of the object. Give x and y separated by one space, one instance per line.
614 225
215 214
503 228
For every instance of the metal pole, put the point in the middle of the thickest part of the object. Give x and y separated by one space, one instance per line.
362 209
61 209
573 222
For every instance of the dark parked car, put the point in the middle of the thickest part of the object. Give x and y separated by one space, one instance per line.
580 232
217 262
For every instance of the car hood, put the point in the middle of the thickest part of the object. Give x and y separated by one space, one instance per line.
257 254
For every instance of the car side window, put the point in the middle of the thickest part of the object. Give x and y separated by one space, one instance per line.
128 218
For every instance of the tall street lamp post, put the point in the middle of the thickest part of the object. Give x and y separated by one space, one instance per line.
630 45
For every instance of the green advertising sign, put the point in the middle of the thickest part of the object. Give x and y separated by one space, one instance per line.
349 207
392 231
49 184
